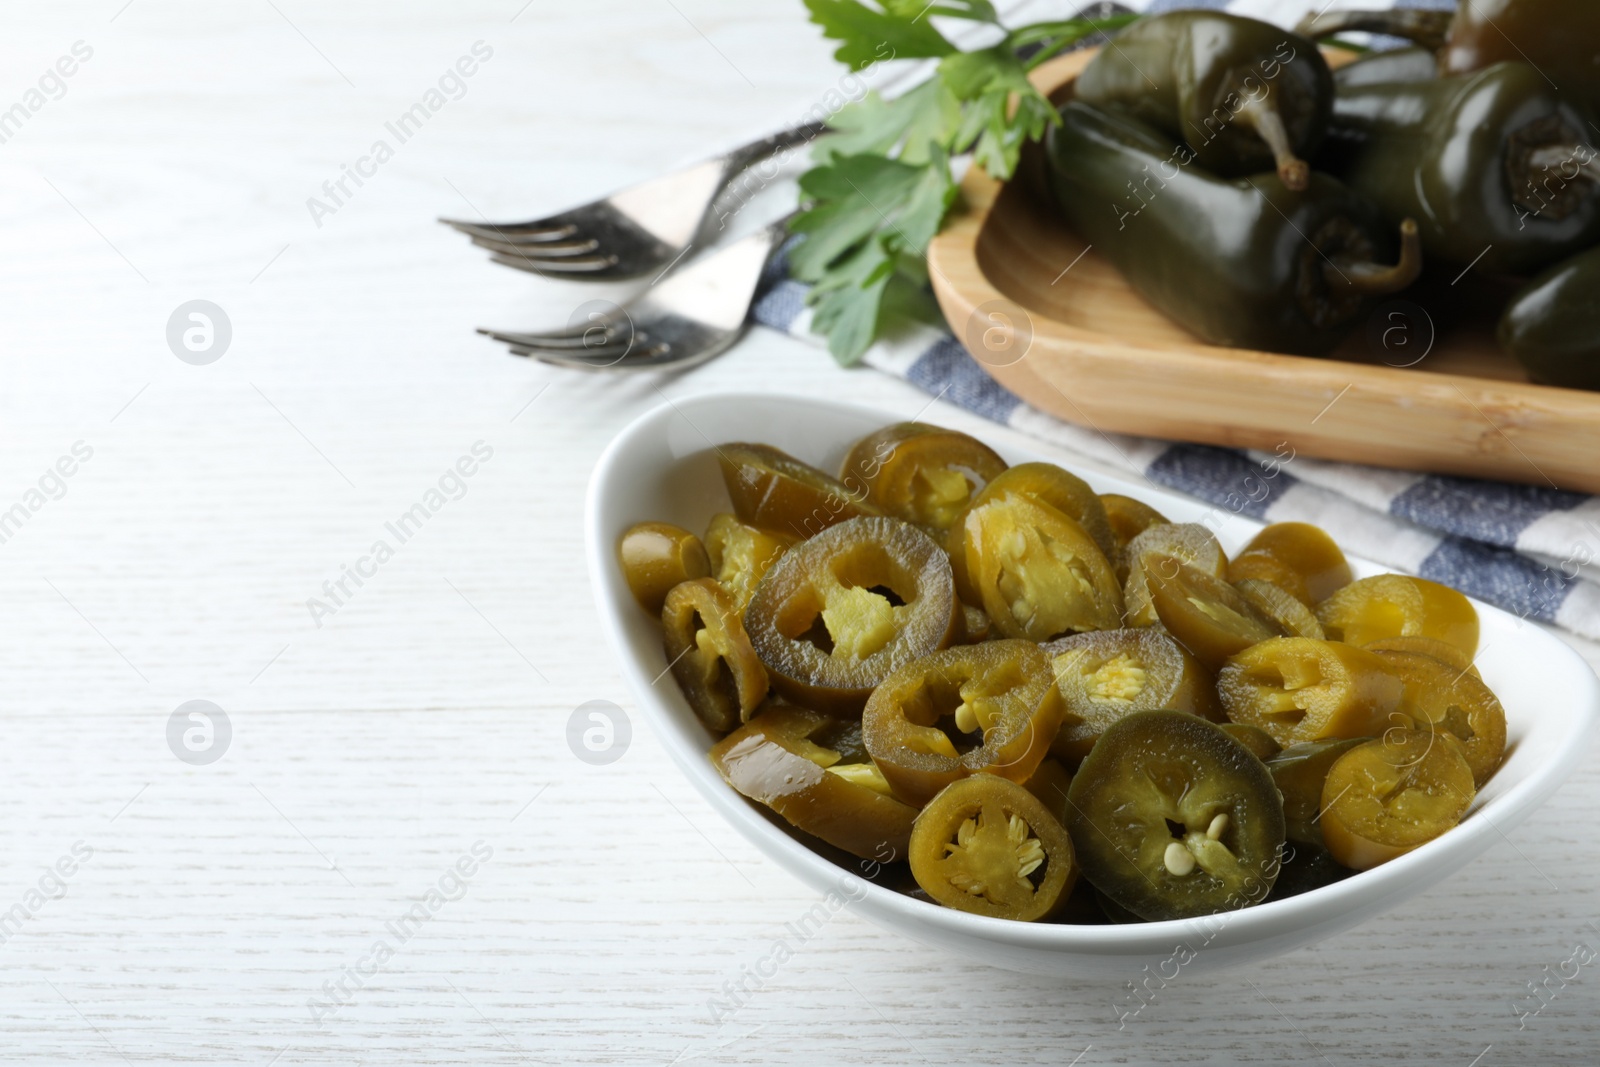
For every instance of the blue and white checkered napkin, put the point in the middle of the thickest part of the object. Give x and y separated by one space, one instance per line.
1533 551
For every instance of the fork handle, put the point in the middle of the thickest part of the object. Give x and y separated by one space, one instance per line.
748 155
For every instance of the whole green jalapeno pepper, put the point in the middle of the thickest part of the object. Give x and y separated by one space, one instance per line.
1552 326
1496 167
1247 262
1247 95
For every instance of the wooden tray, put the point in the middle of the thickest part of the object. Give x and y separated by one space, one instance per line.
1058 326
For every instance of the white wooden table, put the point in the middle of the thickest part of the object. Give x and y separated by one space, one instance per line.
232 912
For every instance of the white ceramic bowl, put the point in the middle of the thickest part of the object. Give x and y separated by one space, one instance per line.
662 467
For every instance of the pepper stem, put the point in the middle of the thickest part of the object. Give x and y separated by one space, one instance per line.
1547 156
1430 29
1378 279
1262 116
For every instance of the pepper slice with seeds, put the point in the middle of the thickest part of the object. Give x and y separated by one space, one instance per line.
741 555
992 707
989 847
1389 796
1303 690
836 614
787 759
1173 818
1298 689
1108 674
920 473
1046 484
1037 573
711 655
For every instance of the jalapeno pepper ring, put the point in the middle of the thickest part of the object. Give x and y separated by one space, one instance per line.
1172 818
710 654
991 707
920 473
1389 796
837 613
1299 689
1109 674
1037 572
987 846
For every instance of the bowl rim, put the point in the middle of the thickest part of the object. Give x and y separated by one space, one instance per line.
1382 886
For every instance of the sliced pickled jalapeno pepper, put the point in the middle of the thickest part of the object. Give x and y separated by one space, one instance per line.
1108 674
1441 698
921 473
1394 605
1173 818
1296 557
1299 772
1187 542
1262 745
1389 796
991 707
837 613
987 846
781 758
1129 518
773 490
1062 490
1278 607
1037 573
711 655
1211 619
741 555
1298 690
655 557
1426 646
1047 484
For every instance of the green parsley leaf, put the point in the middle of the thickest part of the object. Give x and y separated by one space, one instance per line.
986 81
870 36
871 214
903 128
882 184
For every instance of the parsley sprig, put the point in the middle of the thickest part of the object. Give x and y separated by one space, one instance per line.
882 182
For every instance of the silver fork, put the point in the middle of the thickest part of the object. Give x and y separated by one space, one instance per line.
696 313
632 233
